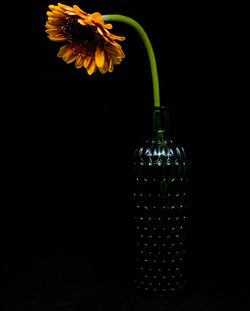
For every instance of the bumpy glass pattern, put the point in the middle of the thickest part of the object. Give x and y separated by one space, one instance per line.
161 196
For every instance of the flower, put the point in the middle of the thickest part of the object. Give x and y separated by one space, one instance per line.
87 39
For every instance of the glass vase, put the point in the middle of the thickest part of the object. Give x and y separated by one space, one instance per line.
160 211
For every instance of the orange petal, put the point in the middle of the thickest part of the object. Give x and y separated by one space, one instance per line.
99 57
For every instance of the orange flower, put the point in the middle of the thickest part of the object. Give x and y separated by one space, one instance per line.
87 39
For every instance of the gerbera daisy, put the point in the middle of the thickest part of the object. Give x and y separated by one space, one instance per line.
87 39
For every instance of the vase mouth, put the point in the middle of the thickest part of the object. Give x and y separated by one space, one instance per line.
161 108
161 119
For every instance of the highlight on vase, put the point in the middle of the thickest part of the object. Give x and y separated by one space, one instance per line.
86 38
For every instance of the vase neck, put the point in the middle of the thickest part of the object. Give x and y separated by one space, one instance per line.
160 120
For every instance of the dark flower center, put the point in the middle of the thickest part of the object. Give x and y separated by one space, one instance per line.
79 34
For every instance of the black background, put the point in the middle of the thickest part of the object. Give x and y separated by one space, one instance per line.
67 141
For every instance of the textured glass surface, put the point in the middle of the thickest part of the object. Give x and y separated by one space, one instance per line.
160 215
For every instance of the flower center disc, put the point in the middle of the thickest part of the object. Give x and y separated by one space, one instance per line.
77 33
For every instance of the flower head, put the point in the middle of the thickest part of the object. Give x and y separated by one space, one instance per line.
86 37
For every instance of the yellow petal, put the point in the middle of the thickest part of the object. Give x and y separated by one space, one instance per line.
111 65
53 31
104 68
48 25
103 71
99 57
97 18
81 21
62 50
65 7
69 56
79 61
71 13
114 37
89 21
56 14
100 31
55 21
108 26
106 64
52 7
111 49
91 68
57 39
79 11
114 50
86 61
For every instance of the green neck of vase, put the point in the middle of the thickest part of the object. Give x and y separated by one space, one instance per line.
160 120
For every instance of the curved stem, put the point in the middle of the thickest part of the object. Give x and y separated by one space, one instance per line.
148 46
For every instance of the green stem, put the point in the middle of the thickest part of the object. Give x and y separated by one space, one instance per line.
148 46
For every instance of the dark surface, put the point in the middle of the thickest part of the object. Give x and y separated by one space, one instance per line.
59 267
65 235
56 282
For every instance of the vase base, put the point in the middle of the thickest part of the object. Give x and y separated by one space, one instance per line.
160 291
